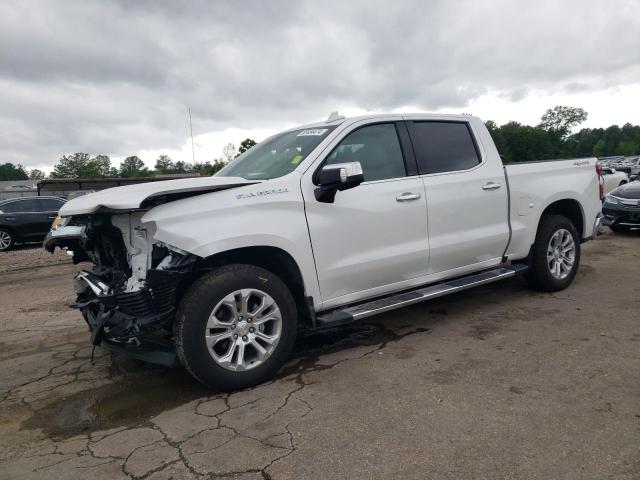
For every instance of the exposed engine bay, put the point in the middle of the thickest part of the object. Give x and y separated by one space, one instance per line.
128 298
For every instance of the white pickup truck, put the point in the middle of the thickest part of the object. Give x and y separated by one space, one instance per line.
317 226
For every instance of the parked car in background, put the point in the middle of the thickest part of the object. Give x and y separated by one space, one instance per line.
26 219
613 178
621 207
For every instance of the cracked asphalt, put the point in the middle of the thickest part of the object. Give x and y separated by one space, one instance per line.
496 382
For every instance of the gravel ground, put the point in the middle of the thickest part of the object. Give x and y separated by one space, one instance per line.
30 255
498 382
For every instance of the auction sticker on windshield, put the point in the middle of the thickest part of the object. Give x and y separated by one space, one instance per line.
314 132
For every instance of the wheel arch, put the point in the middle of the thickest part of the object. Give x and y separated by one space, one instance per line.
276 260
569 208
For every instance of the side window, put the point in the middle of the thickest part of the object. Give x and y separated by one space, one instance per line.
376 147
49 204
443 146
11 207
21 206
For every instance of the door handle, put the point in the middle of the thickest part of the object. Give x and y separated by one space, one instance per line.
491 186
407 197
9 218
53 218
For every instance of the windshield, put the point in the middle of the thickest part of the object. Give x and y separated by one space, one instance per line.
276 156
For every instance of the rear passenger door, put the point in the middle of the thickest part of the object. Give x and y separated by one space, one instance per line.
48 208
466 197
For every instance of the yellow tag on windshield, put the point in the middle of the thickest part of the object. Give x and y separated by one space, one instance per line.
296 159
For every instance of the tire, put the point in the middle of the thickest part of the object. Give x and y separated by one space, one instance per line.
7 240
619 228
211 361
550 274
622 183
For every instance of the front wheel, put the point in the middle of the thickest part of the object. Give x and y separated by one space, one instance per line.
235 326
555 256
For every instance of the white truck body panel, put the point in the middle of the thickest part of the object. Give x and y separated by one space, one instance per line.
536 185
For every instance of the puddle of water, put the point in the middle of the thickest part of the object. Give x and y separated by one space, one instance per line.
126 402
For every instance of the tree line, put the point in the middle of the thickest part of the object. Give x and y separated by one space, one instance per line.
551 138
83 165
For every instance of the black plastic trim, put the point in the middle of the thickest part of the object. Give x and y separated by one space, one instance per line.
410 163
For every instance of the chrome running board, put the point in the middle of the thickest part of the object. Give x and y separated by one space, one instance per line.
374 307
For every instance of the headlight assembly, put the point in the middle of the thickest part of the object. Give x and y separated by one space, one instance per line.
611 199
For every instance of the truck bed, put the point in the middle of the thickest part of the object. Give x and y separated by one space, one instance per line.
534 186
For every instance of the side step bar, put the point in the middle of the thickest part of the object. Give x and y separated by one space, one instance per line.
374 307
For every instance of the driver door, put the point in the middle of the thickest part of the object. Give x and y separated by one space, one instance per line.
373 238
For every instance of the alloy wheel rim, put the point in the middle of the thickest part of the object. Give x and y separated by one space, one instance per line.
243 329
561 254
5 240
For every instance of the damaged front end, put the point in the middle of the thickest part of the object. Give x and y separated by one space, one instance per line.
129 297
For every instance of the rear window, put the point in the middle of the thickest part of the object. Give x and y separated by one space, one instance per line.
49 204
443 146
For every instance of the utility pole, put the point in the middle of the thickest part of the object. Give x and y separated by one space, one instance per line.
193 152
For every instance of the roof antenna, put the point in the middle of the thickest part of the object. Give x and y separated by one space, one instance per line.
333 117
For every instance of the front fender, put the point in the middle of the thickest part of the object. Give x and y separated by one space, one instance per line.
269 214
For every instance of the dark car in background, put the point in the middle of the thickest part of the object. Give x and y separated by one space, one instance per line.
26 219
621 207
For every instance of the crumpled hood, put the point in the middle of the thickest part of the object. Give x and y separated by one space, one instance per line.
131 197
628 190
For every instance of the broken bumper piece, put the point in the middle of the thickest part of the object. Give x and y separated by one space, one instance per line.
138 323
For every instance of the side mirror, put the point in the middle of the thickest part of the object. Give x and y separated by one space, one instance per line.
339 176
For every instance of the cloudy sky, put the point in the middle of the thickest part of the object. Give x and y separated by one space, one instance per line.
117 77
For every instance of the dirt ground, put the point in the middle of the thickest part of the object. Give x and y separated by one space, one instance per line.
497 382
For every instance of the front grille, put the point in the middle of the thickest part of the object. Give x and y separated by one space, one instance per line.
137 304
157 296
162 287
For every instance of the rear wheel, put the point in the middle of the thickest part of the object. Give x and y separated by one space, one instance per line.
556 254
6 240
235 326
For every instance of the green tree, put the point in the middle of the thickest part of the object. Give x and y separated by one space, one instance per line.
101 165
245 145
560 119
164 165
35 174
81 165
207 169
598 148
133 166
9 171
182 167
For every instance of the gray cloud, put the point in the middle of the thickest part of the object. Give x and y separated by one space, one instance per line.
116 77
